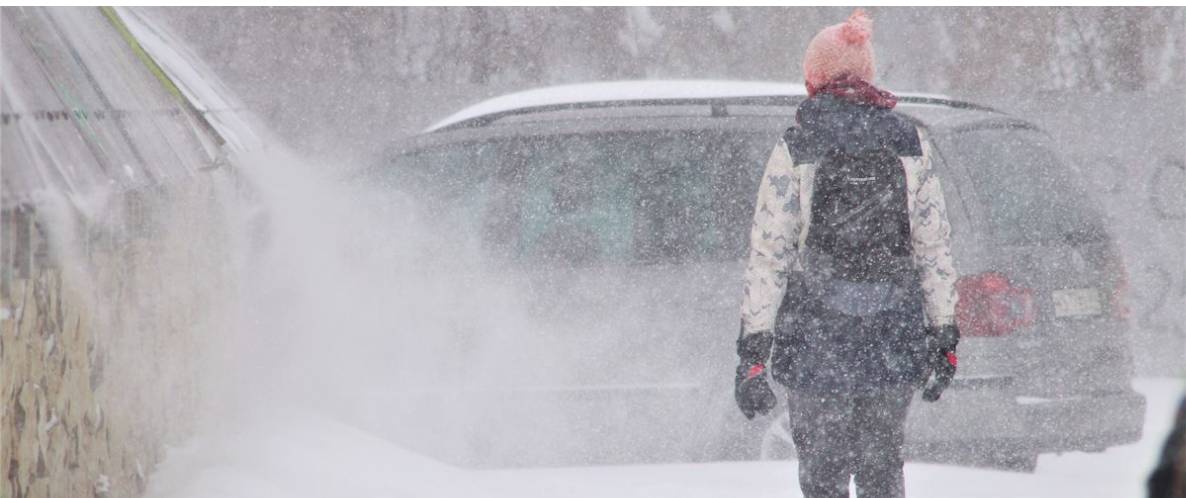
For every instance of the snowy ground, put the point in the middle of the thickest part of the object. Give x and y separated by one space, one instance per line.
309 456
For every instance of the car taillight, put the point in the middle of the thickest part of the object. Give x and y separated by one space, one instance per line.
990 306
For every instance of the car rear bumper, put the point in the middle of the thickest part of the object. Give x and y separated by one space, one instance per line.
1001 419
1085 423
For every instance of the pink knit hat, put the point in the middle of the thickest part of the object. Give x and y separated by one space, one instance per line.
840 50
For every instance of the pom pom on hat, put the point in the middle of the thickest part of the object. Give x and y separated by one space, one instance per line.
857 29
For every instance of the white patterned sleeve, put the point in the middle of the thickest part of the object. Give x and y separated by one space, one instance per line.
773 246
931 237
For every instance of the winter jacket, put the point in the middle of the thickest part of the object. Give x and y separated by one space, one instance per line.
782 216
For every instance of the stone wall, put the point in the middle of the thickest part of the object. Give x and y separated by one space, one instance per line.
113 254
100 348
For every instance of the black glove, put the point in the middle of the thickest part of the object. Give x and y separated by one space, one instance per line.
941 358
753 393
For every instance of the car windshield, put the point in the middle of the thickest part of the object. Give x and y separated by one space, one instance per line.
640 197
1028 195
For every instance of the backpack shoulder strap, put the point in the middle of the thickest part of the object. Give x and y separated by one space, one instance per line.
902 136
804 146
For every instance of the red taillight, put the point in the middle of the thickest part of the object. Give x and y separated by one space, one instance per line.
990 306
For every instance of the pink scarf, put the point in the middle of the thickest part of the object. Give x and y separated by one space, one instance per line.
855 90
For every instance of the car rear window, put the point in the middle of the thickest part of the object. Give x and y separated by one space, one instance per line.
1027 194
637 197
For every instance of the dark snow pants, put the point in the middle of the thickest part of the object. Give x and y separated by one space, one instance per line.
843 436
851 357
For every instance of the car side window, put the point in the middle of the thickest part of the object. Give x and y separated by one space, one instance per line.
621 198
571 202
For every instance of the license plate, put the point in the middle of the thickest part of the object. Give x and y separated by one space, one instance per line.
1077 302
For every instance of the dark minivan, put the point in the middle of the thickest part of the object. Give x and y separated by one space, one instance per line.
623 209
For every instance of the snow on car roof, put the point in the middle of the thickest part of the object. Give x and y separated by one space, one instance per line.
612 91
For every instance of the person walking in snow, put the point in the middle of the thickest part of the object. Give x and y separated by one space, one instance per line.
850 287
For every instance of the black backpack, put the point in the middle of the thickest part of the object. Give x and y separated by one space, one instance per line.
860 227
860 224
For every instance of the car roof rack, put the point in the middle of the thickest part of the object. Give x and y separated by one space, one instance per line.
719 107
